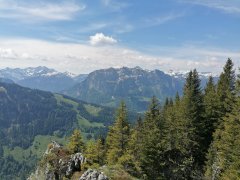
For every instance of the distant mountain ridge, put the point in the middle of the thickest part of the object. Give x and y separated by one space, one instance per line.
106 86
134 85
42 78
183 74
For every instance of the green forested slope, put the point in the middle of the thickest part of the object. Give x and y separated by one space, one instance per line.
29 119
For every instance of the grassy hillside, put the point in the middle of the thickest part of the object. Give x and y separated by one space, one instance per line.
30 119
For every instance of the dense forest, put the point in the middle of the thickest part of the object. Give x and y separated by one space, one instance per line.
195 136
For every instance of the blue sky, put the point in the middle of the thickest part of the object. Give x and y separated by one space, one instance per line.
83 35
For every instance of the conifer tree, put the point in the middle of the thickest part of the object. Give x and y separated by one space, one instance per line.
229 72
153 143
135 145
224 155
177 161
76 143
100 150
166 102
211 113
171 102
226 88
118 136
90 153
95 152
190 125
177 98
193 109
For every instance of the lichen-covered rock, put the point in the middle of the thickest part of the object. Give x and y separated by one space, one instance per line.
92 174
74 164
53 146
57 163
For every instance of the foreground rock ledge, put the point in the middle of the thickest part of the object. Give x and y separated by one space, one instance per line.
91 174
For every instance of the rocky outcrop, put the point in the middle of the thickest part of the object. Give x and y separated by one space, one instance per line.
53 146
57 163
91 174
74 163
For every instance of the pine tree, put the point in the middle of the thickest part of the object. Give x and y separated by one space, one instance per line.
134 146
118 136
171 102
224 157
100 150
211 113
229 72
193 105
166 102
153 143
177 98
95 152
177 161
226 88
76 143
191 123
224 154
91 153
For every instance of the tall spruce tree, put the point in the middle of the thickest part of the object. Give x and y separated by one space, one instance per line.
153 143
135 143
177 161
224 157
226 88
211 113
118 136
192 123
229 72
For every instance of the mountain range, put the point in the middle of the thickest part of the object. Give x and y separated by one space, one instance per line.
42 78
133 85
106 86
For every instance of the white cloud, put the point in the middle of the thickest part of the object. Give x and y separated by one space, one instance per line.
101 39
228 6
83 58
7 54
93 27
114 5
37 11
155 21
123 28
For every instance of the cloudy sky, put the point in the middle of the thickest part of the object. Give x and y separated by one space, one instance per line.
83 35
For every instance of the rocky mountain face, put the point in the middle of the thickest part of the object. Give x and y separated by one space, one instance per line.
42 78
134 85
28 118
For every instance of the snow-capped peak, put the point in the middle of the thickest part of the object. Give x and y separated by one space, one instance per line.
40 71
183 74
69 74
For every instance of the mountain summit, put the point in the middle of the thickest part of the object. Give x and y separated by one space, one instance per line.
134 85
